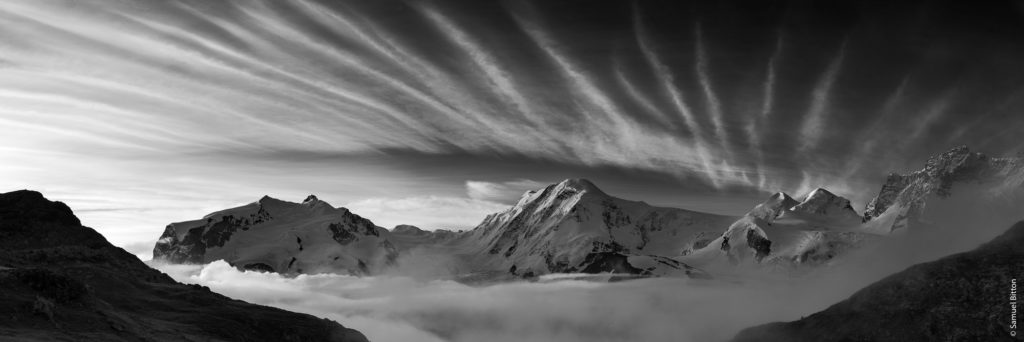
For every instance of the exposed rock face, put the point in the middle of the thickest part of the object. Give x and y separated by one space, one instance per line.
62 281
773 207
963 297
573 226
823 202
904 196
783 232
284 237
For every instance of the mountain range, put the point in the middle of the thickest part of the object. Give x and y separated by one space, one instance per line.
63 281
575 227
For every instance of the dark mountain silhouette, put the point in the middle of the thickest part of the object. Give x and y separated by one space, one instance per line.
63 281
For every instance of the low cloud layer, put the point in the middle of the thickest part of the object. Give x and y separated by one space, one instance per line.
395 308
405 306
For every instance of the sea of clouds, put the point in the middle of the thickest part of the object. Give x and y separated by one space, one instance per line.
400 308
411 305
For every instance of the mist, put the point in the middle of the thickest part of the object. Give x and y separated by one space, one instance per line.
398 308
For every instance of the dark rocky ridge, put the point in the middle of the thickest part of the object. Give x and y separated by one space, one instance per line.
63 281
963 297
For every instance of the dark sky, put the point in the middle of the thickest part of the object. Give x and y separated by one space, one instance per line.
438 112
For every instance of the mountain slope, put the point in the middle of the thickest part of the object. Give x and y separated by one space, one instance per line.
280 236
903 197
406 237
963 297
784 232
573 226
63 281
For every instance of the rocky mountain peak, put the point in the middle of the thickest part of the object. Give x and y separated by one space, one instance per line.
955 160
557 194
310 199
940 173
267 199
781 197
773 207
579 185
821 201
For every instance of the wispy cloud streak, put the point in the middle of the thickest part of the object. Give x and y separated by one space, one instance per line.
667 80
813 126
714 107
755 130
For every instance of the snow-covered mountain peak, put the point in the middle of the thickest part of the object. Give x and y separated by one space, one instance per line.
824 202
565 194
286 237
781 196
773 207
573 226
580 185
818 193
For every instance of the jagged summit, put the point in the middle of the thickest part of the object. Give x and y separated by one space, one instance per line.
781 196
770 209
818 193
581 184
310 199
565 189
904 195
573 226
823 202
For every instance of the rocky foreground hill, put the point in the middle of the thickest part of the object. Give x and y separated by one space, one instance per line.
963 297
61 281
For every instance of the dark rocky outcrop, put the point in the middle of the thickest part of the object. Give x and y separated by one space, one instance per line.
963 297
214 232
62 281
